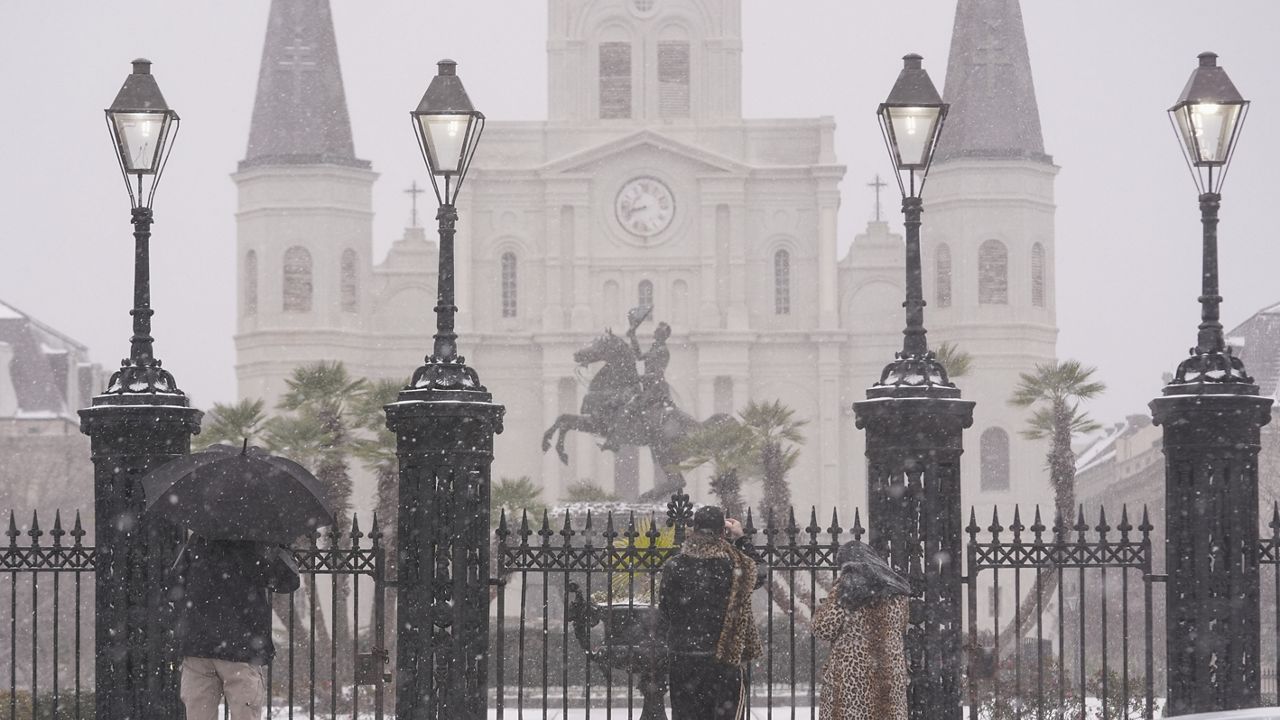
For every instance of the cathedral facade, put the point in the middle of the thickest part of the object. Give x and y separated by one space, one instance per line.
645 186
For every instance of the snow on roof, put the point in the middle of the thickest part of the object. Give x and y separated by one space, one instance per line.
1101 450
7 312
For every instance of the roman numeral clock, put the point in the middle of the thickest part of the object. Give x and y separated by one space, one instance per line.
645 207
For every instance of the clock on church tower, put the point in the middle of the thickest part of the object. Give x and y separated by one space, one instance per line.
645 206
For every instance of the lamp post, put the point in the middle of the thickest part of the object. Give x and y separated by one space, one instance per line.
444 422
139 422
914 418
1212 417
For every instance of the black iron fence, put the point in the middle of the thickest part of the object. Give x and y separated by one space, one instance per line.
331 658
1078 641
1064 620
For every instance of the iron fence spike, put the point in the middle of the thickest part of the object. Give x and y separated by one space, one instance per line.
57 531
35 532
12 531
1275 516
835 529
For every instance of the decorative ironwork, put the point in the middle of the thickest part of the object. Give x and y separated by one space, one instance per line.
913 510
1089 551
1211 444
56 612
445 446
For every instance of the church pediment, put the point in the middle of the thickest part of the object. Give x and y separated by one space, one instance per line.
589 159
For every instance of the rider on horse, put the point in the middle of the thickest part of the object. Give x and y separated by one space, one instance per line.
650 403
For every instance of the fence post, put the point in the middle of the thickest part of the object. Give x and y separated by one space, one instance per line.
135 660
1213 619
914 517
444 439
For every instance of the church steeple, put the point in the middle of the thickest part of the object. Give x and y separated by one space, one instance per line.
300 112
993 101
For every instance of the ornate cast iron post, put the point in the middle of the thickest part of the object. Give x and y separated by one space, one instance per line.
141 421
444 422
914 420
1212 418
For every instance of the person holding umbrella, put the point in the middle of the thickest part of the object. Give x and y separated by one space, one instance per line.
242 508
223 596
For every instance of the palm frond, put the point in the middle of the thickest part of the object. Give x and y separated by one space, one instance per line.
231 424
956 361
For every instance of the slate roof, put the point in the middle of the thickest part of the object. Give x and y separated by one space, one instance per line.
993 98
40 366
1256 341
300 112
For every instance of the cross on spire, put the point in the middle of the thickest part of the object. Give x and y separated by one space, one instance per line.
877 185
413 192
298 58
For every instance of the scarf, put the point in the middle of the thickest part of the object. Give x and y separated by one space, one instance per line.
739 639
865 578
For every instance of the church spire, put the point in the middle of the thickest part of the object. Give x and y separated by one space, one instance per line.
993 100
300 112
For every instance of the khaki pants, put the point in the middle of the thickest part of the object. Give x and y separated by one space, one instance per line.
205 681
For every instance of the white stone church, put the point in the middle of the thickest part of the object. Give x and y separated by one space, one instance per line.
646 186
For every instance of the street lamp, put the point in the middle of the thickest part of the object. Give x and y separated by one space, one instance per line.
1211 415
914 421
444 422
911 121
1207 119
142 420
448 129
142 128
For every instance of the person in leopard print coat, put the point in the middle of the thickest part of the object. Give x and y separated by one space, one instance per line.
865 620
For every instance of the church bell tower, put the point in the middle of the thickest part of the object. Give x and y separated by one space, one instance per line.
304 221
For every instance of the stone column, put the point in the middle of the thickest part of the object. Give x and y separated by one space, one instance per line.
444 438
915 520
1213 619
136 660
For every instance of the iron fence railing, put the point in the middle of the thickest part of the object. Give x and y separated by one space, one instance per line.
331 657
1080 642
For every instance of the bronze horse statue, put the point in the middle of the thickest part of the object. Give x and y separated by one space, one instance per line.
621 410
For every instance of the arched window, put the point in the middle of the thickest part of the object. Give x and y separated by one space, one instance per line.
644 296
993 273
680 303
509 287
1037 275
673 79
297 280
251 283
994 458
350 301
942 276
782 283
615 80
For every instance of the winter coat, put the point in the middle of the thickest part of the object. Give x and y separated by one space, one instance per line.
865 677
704 599
222 595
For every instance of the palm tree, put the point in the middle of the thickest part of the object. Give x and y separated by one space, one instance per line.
775 432
1054 391
514 496
376 450
321 397
730 449
956 361
587 490
231 424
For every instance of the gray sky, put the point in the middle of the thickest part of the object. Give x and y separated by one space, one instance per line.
1128 248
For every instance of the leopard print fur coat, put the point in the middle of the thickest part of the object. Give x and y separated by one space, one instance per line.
866 674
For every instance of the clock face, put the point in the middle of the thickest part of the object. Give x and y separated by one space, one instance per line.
645 206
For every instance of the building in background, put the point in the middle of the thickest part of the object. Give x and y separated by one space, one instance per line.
45 377
646 186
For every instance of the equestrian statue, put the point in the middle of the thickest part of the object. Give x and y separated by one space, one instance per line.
626 407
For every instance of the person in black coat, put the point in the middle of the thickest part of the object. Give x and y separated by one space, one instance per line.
704 599
223 598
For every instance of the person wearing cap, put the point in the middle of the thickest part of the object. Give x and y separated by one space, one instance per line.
704 599
865 620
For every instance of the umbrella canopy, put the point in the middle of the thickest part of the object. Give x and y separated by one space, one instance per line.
230 493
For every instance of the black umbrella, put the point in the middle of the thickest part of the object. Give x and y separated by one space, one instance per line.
230 493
